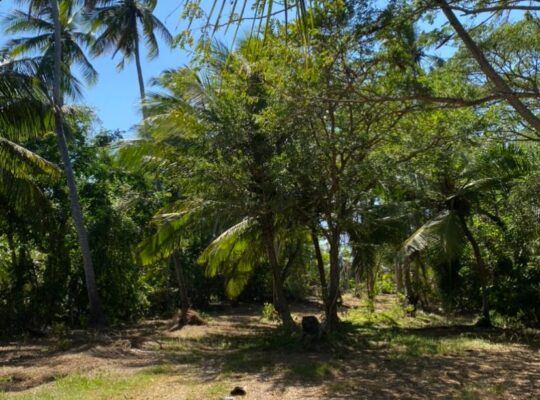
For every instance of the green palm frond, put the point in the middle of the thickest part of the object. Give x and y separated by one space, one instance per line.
443 232
172 224
24 164
234 254
24 108
22 194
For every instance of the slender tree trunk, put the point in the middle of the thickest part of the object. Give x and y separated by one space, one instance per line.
409 290
320 267
481 271
500 84
370 276
140 76
182 287
332 318
97 317
398 270
280 300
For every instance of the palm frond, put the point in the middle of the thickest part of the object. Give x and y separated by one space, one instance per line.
24 164
443 232
234 254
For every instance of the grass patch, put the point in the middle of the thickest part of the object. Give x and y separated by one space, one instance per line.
474 392
394 316
84 387
317 371
412 346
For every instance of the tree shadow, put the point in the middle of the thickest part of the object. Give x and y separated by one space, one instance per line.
362 360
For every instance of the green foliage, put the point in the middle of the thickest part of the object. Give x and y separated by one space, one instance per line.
347 150
269 313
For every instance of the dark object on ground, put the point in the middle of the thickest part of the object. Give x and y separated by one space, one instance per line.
311 326
186 318
238 391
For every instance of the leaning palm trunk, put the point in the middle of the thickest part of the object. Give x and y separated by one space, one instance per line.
97 317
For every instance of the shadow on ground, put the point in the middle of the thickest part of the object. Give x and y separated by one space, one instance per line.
362 361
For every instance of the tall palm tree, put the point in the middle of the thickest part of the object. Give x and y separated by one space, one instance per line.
57 12
248 232
122 25
39 44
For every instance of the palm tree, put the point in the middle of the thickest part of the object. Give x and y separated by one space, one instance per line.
39 22
123 24
462 198
187 97
58 15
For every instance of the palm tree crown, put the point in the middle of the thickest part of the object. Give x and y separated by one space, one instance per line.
118 25
40 46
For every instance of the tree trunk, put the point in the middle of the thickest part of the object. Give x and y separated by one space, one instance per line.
332 318
182 288
97 317
320 267
280 300
481 270
500 84
140 76
398 270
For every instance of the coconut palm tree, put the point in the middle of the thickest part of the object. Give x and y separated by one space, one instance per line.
58 15
249 228
121 25
461 198
39 44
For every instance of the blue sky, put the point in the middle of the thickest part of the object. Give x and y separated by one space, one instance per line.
116 95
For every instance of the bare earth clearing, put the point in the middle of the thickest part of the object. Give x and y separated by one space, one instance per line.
376 358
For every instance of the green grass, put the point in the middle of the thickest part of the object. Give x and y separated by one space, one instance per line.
85 387
392 330
408 346
481 392
314 371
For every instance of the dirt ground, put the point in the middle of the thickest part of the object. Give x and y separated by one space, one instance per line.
237 349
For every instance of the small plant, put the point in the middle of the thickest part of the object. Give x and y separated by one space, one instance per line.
269 313
385 284
59 330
